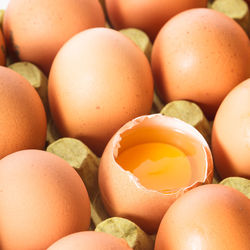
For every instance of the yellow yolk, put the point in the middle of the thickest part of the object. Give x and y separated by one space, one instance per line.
158 166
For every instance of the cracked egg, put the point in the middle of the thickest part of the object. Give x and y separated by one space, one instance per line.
149 163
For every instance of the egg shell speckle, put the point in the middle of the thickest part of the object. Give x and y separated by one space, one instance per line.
231 133
36 29
99 80
200 55
149 15
22 119
90 241
42 199
207 217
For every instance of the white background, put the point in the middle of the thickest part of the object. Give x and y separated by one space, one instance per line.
4 3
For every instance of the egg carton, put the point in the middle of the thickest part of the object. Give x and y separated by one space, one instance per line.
86 163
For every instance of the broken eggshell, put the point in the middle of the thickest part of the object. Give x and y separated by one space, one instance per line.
121 191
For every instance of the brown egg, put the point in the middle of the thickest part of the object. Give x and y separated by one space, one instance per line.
2 49
99 80
200 55
208 217
149 15
90 241
36 29
231 133
22 119
42 199
169 157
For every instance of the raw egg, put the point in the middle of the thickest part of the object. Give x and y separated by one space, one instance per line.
148 164
149 15
99 80
208 217
22 119
90 241
2 49
200 55
231 133
36 29
42 199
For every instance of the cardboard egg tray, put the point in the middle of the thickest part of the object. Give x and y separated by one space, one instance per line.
85 162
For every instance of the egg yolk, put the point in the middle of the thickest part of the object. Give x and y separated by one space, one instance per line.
158 166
